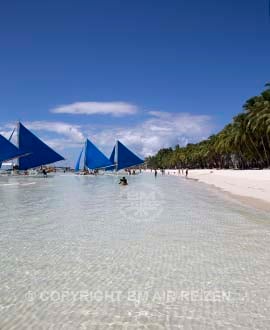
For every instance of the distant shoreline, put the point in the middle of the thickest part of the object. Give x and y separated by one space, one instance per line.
251 187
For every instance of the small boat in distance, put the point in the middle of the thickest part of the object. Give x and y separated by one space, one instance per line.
94 159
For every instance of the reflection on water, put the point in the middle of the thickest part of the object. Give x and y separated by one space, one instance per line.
86 253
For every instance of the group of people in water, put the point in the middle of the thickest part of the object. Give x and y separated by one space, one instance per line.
131 172
123 180
163 172
90 172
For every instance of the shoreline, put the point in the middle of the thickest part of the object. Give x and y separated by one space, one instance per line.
251 187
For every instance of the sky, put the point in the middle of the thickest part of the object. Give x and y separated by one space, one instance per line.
152 73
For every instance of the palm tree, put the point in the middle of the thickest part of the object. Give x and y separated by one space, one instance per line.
245 140
258 115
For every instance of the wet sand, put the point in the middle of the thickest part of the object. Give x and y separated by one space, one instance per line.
251 187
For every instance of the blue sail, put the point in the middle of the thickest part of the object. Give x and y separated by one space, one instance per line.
94 158
8 140
8 151
126 158
112 159
40 153
77 166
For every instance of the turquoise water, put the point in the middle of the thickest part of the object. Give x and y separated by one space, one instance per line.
86 253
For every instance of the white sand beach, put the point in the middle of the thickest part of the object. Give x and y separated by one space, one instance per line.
253 184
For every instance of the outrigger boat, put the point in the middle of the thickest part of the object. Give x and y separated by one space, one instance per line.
122 158
94 160
8 152
31 153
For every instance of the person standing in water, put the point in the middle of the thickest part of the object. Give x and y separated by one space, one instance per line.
123 181
155 173
186 172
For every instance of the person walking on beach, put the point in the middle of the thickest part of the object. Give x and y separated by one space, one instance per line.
155 173
186 172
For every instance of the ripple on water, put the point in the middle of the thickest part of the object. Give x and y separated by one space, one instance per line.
86 253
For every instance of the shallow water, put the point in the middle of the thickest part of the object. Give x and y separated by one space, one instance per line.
86 253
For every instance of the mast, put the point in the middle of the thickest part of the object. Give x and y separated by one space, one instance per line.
18 134
77 165
18 142
11 135
116 156
85 151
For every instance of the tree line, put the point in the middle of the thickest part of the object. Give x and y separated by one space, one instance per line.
244 143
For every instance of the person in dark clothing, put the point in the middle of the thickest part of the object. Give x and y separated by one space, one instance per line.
123 181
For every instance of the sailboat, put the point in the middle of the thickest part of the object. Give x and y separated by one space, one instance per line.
31 152
4 147
9 151
94 159
123 158
39 153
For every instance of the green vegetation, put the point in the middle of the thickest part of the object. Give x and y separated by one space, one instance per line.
244 143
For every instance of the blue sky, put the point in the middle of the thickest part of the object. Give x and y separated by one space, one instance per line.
152 73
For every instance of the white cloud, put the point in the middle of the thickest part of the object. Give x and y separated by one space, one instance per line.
5 133
61 144
162 130
71 132
116 109
160 114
